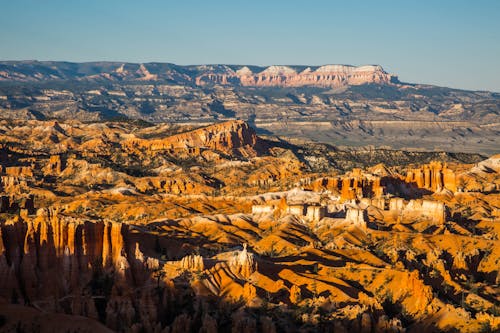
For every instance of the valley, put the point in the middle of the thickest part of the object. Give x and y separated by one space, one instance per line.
131 226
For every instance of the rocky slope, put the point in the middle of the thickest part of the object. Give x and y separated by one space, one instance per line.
229 137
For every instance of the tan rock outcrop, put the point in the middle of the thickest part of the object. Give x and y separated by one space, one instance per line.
19 171
295 294
249 292
192 263
55 165
357 217
412 210
13 184
243 263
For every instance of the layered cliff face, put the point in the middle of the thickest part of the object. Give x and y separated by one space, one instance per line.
354 185
285 76
229 137
435 176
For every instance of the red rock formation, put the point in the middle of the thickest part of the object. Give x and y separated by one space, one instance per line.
229 137
434 176
64 251
19 171
55 165
355 186
328 183
284 76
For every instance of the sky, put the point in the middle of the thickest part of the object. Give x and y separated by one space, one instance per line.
442 42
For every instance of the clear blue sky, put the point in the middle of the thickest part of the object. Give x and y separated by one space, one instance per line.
452 43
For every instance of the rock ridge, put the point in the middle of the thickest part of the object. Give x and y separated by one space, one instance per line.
285 76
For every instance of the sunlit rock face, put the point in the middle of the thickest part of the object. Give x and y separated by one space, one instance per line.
243 263
65 250
229 137
434 176
285 76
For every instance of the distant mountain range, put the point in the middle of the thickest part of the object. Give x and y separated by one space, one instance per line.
337 104
282 76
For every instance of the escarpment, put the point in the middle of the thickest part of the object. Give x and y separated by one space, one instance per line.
229 137
285 76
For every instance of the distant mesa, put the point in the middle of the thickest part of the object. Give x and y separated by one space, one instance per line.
287 76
